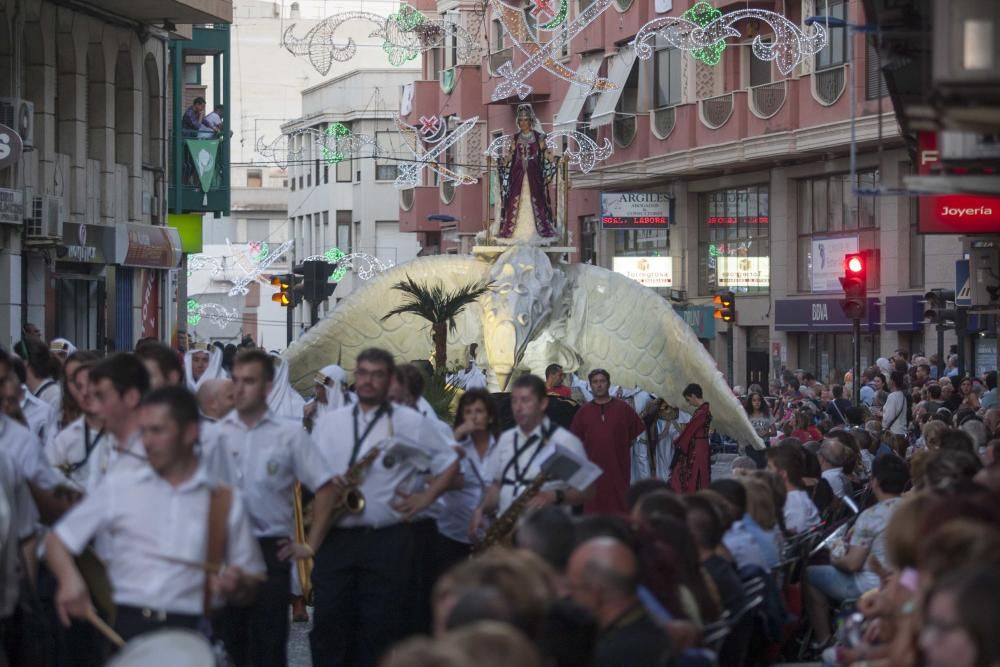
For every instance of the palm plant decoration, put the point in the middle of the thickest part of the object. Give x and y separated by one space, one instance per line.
438 307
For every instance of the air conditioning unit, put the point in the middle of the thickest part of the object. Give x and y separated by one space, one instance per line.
19 115
45 225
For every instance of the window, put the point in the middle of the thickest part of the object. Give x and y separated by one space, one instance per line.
734 240
835 52
628 104
667 76
192 73
829 208
325 238
588 239
496 35
564 36
344 170
255 178
587 113
760 70
642 242
344 230
450 40
326 174
386 168
436 63
829 356
875 86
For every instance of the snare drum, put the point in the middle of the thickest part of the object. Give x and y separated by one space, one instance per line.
166 648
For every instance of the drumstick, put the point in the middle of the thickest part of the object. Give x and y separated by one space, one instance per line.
211 568
104 628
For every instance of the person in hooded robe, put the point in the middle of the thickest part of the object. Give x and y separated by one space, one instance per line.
202 362
61 349
283 400
664 423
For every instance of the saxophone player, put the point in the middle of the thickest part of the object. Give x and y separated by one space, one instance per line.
363 565
520 453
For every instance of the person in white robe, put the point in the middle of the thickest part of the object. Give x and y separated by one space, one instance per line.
202 362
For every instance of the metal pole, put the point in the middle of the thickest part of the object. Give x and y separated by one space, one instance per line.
856 385
961 324
940 349
289 324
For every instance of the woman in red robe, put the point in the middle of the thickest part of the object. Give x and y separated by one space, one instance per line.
690 469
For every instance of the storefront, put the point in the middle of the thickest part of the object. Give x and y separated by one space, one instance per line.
820 336
79 285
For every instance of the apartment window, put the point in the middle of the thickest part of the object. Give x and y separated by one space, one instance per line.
588 239
386 169
760 70
309 179
192 73
344 170
625 110
450 41
734 245
316 170
255 178
666 75
326 174
344 230
496 35
834 220
834 53
325 239
436 63
875 86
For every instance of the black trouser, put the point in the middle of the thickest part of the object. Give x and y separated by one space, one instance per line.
130 622
448 553
258 634
361 586
423 574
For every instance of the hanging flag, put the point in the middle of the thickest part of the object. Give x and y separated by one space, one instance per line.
203 154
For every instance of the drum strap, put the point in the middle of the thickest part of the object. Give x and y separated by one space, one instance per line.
219 504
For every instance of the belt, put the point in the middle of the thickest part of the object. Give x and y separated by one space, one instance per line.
150 615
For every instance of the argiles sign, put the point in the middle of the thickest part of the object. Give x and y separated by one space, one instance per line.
636 210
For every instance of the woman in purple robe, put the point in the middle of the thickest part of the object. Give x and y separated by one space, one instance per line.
525 172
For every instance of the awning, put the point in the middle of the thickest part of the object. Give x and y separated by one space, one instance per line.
569 112
147 246
618 71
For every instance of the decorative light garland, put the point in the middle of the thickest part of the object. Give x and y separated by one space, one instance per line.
253 269
405 34
409 172
365 266
587 154
215 313
706 40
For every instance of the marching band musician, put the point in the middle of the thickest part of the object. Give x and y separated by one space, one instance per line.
172 529
118 383
72 450
268 453
520 452
363 567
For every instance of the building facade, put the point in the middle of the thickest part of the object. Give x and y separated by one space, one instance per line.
765 196
84 247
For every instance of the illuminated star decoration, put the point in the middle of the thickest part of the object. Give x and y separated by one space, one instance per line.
365 266
544 54
790 46
404 34
587 154
217 314
409 172
253 267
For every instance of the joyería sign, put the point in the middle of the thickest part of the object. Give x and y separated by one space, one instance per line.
953 214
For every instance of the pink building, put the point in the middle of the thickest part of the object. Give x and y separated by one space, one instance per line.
756 163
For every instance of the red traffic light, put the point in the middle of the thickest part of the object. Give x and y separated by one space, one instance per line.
854 264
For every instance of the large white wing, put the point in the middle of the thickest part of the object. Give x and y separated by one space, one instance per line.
357 322
617 324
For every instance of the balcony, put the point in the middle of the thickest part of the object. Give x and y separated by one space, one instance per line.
496 59
664 120
715 111
175 11
829 84
767 99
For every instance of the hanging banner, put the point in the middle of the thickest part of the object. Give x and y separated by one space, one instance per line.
203 154
150 299
828 262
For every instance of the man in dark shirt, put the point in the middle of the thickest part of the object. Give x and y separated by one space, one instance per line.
603 578
838 407
192 118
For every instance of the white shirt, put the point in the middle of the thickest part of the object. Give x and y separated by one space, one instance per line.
114 458
458 505
24 448
68 451
208 124
894 413
514 465
42 419
837 481
267 458
146 518
334 436
50 391
800 512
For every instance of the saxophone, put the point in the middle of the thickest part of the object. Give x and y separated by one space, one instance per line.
352 501
503 527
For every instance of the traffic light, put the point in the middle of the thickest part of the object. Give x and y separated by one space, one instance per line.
317 287
289 289
725 306
938 311
855 284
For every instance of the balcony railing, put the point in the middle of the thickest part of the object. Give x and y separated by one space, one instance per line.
828 84
767 99
715 111
663 121
447 191
623 128
498 58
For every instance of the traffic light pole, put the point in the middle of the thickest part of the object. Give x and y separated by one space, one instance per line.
313 313
289 324
856 384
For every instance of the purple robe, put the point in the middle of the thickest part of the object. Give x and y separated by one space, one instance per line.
527 158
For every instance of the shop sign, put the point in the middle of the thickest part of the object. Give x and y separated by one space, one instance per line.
11 206
820 316
88 244
743 271
648 271
701 319
952 214
828 262
148 246
11 147
150 299
636 210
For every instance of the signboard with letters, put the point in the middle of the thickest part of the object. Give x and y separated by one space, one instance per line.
648 271
821 316
828 261
636 210
88 244
952 214
148 246
742 271
11 207
11 146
